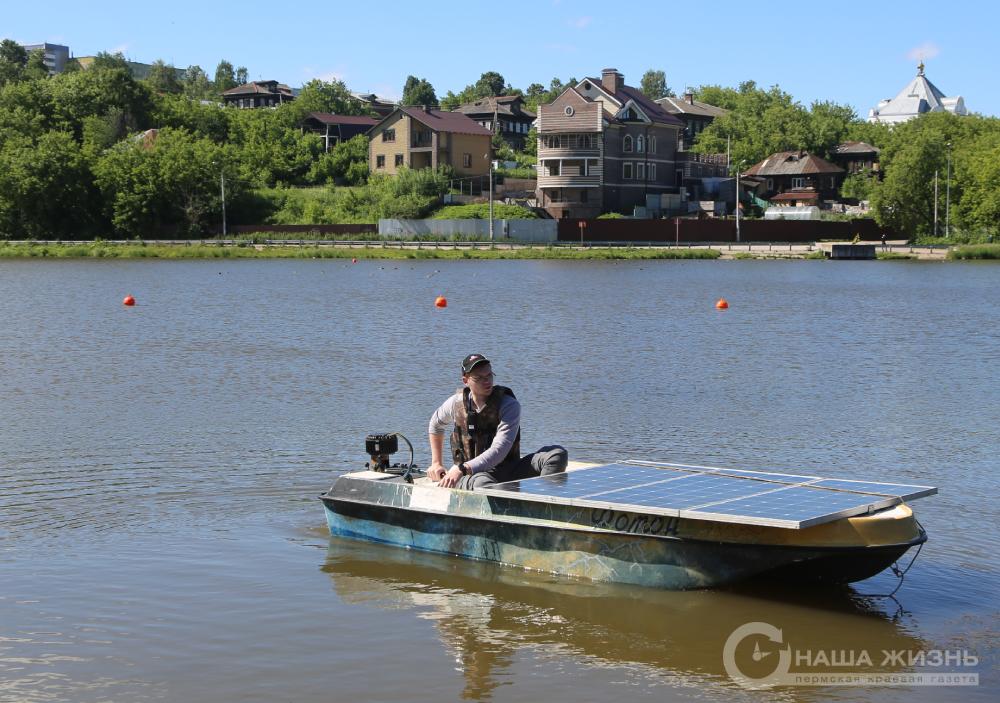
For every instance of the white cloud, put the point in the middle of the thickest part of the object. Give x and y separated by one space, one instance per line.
581 22
120 49
927 50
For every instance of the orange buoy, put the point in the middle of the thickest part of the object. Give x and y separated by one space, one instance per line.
129 300
441 302
722 304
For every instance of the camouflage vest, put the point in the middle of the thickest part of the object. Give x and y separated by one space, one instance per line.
474 431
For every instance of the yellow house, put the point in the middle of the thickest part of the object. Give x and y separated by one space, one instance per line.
422 137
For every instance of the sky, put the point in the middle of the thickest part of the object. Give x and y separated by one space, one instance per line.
848 52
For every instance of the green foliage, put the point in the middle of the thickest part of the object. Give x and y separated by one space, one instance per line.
270 149
490 84
184 111
977 251
197 86
163 78
13 59
346 163
225 77
418 91
173 182
654 85
44 187
611 216
321 96
104 61
481 211
35 69
858 186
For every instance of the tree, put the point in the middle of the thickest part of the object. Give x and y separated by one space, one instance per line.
35 69
44 188
490 84
418 91
858 186
534 90
104 60
654 85
13 59
75 96
163 78
224 77
196 84
829 124
242 76
977 166
346 163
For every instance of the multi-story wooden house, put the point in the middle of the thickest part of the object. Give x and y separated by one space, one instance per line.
695 114
504 115
798 178
422 137
857 157
604 146
258 94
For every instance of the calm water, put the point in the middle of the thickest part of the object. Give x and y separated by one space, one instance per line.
160 537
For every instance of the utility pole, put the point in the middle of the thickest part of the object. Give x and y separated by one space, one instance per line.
222 187
935 202
947 199
491 200
738 167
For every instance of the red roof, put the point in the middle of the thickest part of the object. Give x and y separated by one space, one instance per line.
442 121
329 118
793 163
793 195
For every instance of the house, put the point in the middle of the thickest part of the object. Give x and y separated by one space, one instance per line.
919 96
336 128
857 157
695 114
504 115
798 178
54 56
423 137
604 146
258 94
382 108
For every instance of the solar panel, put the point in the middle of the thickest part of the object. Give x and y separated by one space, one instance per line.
709 493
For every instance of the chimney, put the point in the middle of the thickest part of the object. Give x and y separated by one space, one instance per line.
611 80
427 108
689 97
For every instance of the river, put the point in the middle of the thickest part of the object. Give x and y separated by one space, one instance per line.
161 537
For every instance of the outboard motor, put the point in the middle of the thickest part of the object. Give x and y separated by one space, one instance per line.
380 447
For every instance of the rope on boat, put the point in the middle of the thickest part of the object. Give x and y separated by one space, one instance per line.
899 573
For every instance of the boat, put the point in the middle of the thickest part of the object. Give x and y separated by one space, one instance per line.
657 524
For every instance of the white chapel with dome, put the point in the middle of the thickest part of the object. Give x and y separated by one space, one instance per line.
919 96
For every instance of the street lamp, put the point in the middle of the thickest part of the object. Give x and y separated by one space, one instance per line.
739 167
947 198
222 191
491 196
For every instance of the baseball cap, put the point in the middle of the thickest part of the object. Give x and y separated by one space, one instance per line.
472 361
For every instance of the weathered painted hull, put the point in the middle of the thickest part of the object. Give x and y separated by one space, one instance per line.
600 545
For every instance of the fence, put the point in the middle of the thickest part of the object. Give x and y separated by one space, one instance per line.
690 231
518 230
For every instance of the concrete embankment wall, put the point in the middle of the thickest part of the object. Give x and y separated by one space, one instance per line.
699 231
519 230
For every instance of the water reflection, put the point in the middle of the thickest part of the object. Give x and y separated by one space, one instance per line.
486 615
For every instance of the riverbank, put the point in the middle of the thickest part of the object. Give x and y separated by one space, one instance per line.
396 249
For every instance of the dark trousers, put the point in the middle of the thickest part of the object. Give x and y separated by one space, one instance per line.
547 460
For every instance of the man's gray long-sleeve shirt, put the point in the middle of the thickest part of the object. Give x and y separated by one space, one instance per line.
443 420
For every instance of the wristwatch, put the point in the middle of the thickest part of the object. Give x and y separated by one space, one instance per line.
463 469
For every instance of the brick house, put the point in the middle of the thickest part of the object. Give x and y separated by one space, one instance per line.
504 115
423 137
604 146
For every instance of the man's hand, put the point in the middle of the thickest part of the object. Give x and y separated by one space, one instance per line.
435 472
451 478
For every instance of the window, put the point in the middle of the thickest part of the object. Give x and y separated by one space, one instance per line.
399 159
555 195
770 184
627 170
584 141
380 161
553 167
466 160
640 144
833 182
627 143
640 171
652 172
583 195
389 135
798 182
652 144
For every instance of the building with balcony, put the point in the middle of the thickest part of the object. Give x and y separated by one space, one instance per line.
504 115
423 137
54 56
604 146
334 129
257 94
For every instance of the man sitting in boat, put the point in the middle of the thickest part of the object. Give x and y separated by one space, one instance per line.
486 434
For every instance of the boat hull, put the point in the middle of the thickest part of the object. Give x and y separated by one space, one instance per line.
593 544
